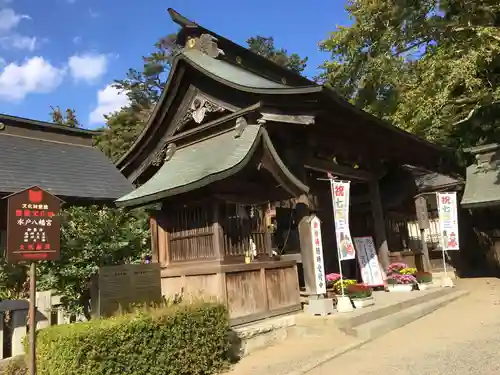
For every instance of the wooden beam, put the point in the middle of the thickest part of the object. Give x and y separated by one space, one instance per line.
291 119
336 169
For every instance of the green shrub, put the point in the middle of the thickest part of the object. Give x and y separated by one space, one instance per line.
180 339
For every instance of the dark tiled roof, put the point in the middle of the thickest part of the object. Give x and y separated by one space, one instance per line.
65 170
427 180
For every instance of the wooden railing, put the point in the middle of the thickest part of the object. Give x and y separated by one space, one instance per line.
14 319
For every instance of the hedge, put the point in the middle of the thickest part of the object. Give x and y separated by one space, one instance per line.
180 339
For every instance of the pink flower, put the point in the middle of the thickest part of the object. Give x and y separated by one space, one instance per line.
396 278
333 277
396 267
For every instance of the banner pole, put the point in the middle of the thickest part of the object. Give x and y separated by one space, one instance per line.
337 241
32 320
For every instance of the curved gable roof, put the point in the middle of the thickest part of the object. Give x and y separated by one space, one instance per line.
242 77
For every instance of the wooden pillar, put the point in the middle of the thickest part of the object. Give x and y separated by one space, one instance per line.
163 238
379 224
153 227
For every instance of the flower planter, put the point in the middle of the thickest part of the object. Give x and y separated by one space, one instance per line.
400 287
425 286
359 303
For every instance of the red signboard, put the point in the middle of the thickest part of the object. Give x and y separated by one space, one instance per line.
33 226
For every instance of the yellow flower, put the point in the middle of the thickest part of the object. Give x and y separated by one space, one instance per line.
337 287
408 271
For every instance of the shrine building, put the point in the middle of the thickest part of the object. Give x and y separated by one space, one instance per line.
237 142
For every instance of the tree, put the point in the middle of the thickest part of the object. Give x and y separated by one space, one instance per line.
264 46
92 237
13 279
69 119
122 129
431 67
144 89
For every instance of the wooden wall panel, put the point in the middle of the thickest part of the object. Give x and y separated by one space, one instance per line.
245 295
207 286
171 286
282 287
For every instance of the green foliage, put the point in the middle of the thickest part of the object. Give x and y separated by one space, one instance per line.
120 133
182 339
144 87
69 119
359 291
343 284
13 281
431 67
92 237
264 46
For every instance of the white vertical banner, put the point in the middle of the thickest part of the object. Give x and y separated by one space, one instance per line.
340 198
448 220
317 245
371 271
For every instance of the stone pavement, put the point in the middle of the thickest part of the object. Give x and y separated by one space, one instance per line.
314 340
296 352
462 338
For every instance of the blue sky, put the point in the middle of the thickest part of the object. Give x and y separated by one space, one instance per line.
67 52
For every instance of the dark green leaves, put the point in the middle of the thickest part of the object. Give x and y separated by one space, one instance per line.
431 67
185 339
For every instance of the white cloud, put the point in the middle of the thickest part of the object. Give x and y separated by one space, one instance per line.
88 67
109 100
77 40
9 19
35 75
19 42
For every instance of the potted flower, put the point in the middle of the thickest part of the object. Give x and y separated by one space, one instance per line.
400 283
331 279
424 280
396 268
361 295
342 284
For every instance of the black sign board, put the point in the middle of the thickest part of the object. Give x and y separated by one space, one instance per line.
33 226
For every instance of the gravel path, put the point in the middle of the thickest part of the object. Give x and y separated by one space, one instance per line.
462 338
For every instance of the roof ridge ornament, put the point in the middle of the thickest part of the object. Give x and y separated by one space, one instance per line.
206 44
